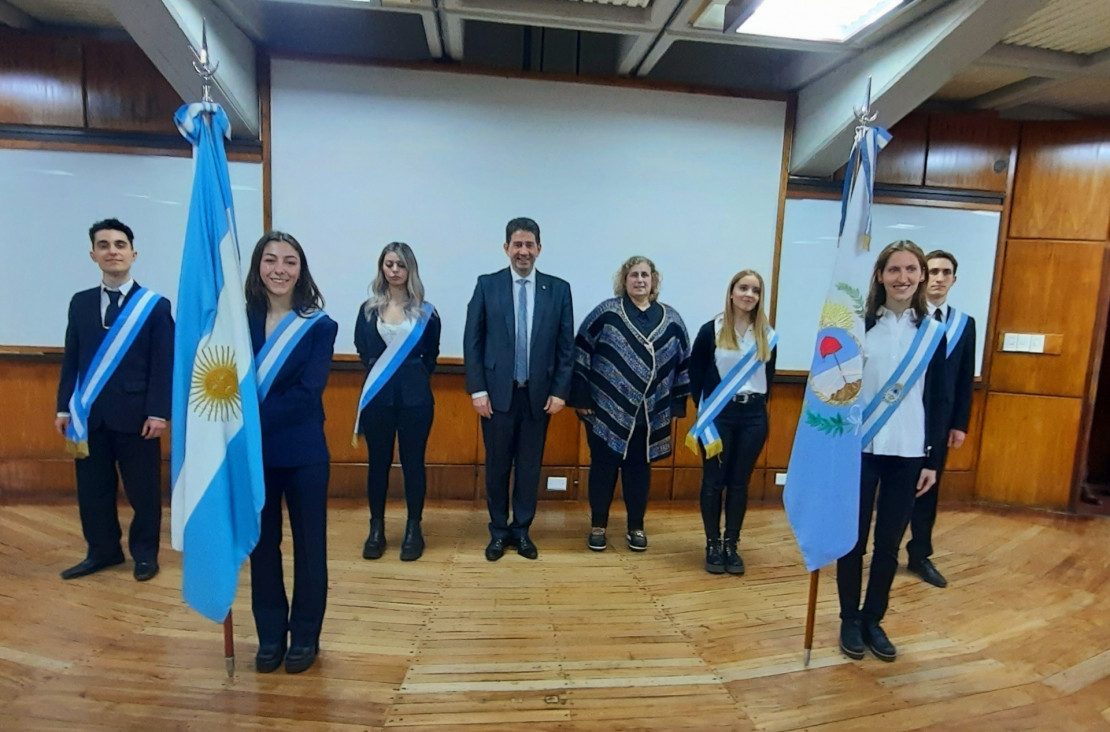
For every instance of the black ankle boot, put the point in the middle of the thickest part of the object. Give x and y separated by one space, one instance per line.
714 559
375 542
412 546
733 563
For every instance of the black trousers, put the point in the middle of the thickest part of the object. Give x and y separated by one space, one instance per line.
305 490
140 467
924 517
743 430
411 426
635 475
514 442
895 481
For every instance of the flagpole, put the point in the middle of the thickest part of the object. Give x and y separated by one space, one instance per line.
229 646
811 613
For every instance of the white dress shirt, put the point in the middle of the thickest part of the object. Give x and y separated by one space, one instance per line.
885 345
726 359
530 297
943 308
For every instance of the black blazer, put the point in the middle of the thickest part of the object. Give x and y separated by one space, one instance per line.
410 385
704 377
937 405
960 377
142 384
490 337
292 415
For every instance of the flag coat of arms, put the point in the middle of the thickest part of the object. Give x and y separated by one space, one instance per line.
822 481
216 460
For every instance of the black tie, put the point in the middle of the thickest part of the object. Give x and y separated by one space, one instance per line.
937 316
112 312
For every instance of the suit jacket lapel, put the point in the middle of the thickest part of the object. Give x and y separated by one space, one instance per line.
543 302
508 287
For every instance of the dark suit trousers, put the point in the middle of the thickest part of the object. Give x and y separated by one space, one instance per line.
305 489
895 481
635 475
743 430
140 467
920 545
411 426
514 443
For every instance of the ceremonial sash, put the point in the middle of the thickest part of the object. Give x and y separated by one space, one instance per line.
390 360
957 322
107 358
278 346
909 370
704 431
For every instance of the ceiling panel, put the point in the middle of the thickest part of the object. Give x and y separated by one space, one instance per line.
1074 26
976 80
622 3
1088 96
68 12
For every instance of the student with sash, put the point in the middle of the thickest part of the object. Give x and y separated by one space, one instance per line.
731 368
631 379
518 347
293 342
113 403
397 337
901 426
959 378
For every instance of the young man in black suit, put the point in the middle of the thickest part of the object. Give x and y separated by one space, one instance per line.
519 352
959 378
127 417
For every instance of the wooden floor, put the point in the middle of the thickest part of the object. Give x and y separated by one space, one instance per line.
574 640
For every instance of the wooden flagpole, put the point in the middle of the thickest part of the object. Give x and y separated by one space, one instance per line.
229 646
811 613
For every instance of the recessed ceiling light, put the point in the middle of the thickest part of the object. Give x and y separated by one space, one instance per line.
815 20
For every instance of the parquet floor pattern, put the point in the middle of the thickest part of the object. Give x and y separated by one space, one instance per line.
576 640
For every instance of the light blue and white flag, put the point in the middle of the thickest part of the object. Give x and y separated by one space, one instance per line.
822 480
216 461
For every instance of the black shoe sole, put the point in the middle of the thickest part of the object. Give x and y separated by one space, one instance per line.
373 553
736 572
411 555
880 656
601 548
855 655
714 568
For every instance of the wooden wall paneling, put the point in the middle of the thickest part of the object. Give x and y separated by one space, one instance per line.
683 456
957 487
1028 450
902 161
772 493
456 430
28 396
569 472
686 485
785 407
1048 287
1062 189
38 480
1096 422
124 91
40 80
965 457
970 152
340 404
562 438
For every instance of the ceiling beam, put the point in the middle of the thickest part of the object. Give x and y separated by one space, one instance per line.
13 17
1046 63
1016 94
165 29
906 69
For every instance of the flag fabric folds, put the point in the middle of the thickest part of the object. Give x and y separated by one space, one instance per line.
216 460
822 480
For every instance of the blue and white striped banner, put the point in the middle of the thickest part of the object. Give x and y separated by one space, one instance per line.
957 323
279 345
909 370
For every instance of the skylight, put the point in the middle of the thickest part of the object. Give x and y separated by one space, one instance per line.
815 20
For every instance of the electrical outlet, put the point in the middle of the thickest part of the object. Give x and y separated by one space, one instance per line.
556 484
780 478
1009 342
1023 341
1036 343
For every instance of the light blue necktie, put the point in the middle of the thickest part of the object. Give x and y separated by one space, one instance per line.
520 365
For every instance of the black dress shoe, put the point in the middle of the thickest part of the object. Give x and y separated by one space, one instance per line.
269 657
876 640
375 542
495 549
526 548
851 638
146 570
926 571
88 566
300 658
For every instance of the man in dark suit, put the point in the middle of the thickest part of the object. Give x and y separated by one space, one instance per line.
959 378
128 416
519 352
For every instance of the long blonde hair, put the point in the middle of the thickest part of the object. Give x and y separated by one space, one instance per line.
727 337
379 288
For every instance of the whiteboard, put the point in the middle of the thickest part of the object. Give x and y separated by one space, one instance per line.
809 249
362 156
48 201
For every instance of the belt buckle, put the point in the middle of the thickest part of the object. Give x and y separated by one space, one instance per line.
742 398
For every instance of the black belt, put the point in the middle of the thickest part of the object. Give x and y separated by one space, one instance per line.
520 385
748 397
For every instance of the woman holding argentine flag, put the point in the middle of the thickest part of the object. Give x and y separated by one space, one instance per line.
732 365
397 337
904 417
293 341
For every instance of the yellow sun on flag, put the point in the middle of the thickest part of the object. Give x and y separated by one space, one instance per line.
214 393
836 315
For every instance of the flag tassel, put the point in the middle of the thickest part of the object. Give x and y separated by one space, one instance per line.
811 613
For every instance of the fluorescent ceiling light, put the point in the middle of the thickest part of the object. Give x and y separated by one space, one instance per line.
815 20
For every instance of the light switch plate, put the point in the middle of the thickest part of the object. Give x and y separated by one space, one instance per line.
556 484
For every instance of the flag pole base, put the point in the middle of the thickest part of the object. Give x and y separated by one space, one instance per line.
806 661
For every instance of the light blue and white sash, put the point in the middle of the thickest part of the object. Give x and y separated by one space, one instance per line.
911 368
957 323
275 352
704 431
391 359
108 357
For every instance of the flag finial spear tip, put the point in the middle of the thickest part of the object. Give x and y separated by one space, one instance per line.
203 64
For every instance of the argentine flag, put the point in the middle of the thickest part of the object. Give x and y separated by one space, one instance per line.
822 480
216 460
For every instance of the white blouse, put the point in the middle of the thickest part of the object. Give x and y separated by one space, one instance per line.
726 359
388 331
885 345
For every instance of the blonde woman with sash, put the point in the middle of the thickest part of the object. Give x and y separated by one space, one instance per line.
903 425
397 338
293 342
732 365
